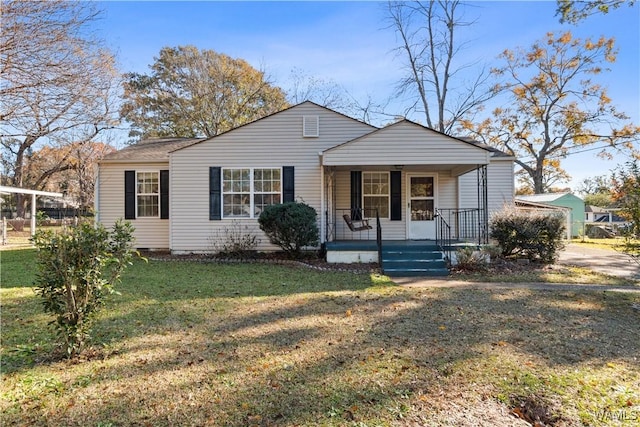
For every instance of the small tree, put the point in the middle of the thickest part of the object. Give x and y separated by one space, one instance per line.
291 226
626 193
77 268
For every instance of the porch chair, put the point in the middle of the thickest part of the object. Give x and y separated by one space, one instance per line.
363 224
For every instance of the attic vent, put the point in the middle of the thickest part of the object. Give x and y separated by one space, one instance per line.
310 126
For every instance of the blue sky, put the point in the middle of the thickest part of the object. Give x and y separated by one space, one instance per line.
349 43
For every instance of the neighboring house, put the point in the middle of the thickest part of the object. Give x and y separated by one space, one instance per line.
568 200
182 194
602 215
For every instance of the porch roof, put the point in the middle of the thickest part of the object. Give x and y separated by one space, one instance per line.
406 143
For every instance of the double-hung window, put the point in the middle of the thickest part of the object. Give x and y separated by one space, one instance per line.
375 193
246 192
147 194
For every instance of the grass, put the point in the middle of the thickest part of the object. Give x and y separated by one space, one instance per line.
190 343
558 274
616 243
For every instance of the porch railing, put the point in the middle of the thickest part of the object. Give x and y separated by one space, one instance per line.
466 224
443 236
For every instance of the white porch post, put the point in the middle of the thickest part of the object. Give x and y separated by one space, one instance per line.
323 208
33 214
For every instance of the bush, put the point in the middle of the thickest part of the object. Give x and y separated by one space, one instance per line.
535 236
235 241
470 258
291 226
77 268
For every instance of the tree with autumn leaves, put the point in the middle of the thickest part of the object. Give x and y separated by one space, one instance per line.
626 193
553 106
197 93
59 86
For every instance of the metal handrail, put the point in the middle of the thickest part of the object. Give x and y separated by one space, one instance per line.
443 236
379 241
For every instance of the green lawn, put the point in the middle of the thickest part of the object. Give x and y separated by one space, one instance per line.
188 343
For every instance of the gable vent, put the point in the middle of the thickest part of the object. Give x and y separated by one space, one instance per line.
310 126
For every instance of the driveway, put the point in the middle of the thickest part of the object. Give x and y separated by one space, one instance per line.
606 261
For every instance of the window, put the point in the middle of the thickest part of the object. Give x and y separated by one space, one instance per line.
375 193
147 194
246 192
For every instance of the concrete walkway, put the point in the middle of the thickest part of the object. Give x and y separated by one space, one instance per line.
605 261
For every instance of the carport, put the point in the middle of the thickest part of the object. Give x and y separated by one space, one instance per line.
33 193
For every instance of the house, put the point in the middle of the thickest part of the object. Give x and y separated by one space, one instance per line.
567 200
603 215
412 183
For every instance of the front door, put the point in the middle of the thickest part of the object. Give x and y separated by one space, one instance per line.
422 201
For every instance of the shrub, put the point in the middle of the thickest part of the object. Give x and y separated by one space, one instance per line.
470 258
77 268
291 226
235 241
532 235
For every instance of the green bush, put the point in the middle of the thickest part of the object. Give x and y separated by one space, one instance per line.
535 236
291 226
77 268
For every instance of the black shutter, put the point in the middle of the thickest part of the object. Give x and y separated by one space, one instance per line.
164 194
288 184
396 196
129 194
356 195
215 196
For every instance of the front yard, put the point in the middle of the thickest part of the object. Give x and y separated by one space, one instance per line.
191 343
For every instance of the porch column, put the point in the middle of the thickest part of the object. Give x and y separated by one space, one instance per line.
483 206
33 215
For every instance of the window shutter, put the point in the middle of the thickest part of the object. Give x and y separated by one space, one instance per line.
164 194
288 184
310 126
129 194
396 196
356 195
215 196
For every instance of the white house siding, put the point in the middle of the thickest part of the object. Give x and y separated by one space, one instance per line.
393 230
150 233
500 186
406 143
272 142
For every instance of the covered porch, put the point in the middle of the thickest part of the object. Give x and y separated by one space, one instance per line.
400 219
403 183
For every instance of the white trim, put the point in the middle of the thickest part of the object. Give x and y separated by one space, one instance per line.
388 195
157 172
407 212
251 193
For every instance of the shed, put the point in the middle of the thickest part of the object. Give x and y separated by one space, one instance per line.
567 200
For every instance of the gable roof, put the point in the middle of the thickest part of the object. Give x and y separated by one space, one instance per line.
292 107
149 150
408 143
547 197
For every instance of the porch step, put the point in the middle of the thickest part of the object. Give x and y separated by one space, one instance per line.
413 260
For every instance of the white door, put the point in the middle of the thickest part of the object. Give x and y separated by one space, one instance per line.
422 201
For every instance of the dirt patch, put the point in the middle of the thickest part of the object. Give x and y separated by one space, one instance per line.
312 261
